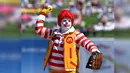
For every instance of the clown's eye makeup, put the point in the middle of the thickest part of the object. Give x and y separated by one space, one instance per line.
68 20
64 20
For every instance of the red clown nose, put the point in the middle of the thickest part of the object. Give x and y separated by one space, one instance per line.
65 14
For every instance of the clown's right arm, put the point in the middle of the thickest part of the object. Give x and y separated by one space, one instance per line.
39 27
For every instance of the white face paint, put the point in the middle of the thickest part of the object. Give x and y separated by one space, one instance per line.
66 24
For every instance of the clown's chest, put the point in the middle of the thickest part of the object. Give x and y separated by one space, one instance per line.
58 40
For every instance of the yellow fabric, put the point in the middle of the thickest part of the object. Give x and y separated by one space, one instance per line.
70 54
48 53
71 57
57 71
47 10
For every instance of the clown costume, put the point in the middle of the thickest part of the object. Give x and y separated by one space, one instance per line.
63 51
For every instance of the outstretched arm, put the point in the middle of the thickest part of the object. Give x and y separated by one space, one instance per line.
83 41
95 59
39 27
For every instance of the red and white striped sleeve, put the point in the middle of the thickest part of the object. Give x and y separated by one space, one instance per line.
40 29
83 41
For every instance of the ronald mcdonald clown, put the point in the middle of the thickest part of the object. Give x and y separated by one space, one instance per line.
63 51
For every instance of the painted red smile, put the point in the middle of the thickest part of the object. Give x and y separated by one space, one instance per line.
66 25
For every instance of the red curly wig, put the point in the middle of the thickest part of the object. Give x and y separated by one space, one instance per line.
65 14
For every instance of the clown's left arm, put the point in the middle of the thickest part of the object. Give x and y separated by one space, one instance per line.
83 41
95 59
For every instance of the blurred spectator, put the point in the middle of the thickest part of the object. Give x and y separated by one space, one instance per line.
106 19
41 3
26 4
102 23
111 14
80 6
25 19
95 6
77 14
8 14
14 17
122 13
35 3
96 3
48 2
118 2
59 3
121 21
88 8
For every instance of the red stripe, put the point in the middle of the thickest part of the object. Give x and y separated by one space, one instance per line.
70 52
90 47
87 44
83 42
39 21
78 34
36 28
73 63
46 33
80 39
62 39
57 58
42 13
62 45
40 32
55 44
57 51
39 28
58 38
57 65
